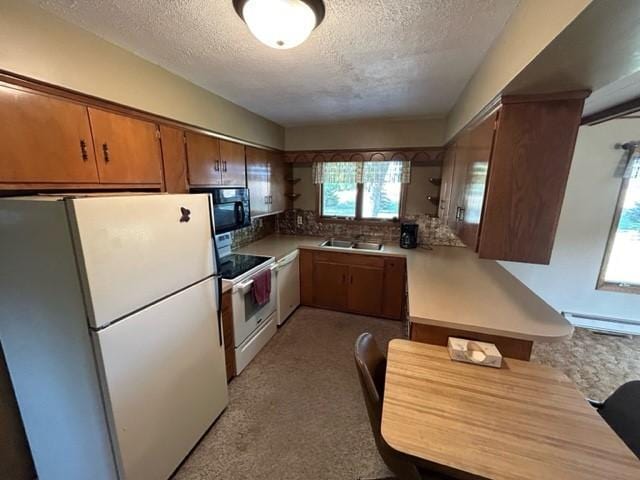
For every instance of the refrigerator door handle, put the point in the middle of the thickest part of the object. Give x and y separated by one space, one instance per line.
219 307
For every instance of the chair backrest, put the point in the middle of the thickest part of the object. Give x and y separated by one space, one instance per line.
371 365
622 412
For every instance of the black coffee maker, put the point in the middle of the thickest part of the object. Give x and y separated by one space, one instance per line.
409 235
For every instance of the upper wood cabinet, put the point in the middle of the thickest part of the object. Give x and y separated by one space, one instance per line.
477 153
528 174
233 166
127 149
44 140
174 159
215 162
277 182
258 181
203 158
510 174
266 179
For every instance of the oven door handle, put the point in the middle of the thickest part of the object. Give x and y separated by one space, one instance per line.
239 213
243 287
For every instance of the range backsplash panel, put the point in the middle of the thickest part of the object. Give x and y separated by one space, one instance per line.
431 230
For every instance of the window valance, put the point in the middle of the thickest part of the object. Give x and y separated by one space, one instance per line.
362 172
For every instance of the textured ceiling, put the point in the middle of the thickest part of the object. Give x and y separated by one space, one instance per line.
368 59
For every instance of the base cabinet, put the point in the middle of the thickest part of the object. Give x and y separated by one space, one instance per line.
365 290
330 285
365 284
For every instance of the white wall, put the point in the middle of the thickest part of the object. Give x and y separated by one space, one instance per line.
568 283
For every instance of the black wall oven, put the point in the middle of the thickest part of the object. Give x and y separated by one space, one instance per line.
230 208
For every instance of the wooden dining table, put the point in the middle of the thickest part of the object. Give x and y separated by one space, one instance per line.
521 421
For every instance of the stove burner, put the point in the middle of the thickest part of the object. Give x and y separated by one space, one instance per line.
234 265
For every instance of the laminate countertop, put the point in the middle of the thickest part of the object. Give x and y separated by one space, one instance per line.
451 287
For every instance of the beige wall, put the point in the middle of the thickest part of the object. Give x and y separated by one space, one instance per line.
533 25
367 134
36 44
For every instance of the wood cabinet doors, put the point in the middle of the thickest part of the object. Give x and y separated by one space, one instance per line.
233 169
203 158
476 164
530 164
366 284
44 140
127 149
174 159
258 167
330 288
277 182
365 289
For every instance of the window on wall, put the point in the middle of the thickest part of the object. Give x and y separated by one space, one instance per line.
621 266
361 190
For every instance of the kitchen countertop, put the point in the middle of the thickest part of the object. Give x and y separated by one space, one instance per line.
451 287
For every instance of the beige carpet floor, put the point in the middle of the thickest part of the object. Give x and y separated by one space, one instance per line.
297 412
597 363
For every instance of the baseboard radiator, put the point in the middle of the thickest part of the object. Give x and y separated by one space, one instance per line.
617 326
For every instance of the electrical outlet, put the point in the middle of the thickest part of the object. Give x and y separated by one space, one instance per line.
299 220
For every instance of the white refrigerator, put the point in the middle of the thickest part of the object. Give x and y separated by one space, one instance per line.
109 321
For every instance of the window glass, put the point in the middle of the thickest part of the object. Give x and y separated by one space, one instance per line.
381 200
339 199
623 265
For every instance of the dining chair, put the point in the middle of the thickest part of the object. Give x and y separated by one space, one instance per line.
622 412
371 365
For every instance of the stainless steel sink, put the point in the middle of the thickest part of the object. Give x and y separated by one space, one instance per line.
348 244
367 246
337 243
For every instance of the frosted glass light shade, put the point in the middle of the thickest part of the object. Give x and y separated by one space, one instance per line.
279 24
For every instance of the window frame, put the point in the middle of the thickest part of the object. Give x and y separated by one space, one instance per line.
359 198
602 284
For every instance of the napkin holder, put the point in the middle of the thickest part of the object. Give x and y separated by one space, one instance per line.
472 351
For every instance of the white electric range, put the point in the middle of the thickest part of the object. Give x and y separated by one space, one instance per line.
253 325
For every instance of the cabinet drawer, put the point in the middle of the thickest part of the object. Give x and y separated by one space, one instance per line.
350 259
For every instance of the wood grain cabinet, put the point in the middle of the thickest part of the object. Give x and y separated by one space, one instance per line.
266 179
232 164
44 140
365 284
127 149
509 176
214 162
203 159
330 286
174 159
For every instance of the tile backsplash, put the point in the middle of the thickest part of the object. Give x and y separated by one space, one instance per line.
259 228
431 230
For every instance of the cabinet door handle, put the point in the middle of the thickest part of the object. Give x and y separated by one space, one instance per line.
105 152
216 166
83 150
224 165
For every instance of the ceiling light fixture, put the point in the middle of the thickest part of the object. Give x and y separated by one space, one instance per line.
281 24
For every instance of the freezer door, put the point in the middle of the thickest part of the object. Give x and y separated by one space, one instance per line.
135 250
164 378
